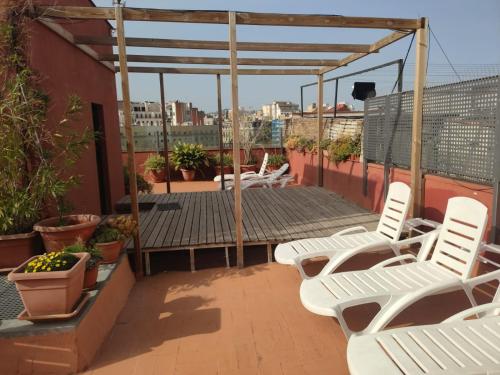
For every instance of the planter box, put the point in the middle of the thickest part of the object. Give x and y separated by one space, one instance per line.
50 293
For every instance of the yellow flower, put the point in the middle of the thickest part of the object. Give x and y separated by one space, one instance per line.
49 269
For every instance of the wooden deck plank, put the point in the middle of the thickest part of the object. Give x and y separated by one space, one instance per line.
210 219
269 216
185 208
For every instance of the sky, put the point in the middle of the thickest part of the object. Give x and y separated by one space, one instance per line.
468 31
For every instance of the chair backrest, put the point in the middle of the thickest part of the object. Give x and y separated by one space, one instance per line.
460 236
278 172
395 210
264 165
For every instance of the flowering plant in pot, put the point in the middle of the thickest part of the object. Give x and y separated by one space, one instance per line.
110 236
92 265
189 158
35 155
50 284
155 166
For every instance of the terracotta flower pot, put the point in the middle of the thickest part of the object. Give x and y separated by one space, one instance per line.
110 251
90 277
50 293
227 169
16 248
188 175
272 168
157 176
56 237
248 168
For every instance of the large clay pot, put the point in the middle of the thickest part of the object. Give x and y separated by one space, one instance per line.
158 176
188 175
227 169
248 168
16 248
272 168
50 293
90 277
110 251
57 237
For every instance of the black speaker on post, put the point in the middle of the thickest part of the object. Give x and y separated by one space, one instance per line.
363 90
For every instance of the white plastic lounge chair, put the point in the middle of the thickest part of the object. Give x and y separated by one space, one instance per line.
456 346
345 244
269 180
247 175
397 287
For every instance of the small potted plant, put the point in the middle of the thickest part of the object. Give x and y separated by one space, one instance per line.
227 163
51 283
110 236
92 265
189 158
275 161
155 166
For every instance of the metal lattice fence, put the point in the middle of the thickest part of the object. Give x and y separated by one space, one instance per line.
458 130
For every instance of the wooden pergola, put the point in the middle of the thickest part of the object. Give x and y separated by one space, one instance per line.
400 28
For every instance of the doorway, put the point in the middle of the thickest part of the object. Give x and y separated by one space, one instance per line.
101 158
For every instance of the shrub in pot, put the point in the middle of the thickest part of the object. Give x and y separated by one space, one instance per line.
155 166
110 237
92 265
51 283
275 161
142 185
189 158
344 148
35 156
227 163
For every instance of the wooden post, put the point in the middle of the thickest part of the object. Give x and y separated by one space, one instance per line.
165 133
320 129
236 139
127 114
418 96
221 140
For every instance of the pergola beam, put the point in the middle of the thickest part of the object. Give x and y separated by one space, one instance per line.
375 47
154 69
221 17
220 60
222 45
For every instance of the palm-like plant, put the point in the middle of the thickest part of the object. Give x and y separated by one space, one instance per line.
189 156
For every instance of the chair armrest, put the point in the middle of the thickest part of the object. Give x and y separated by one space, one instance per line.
359 228
491 247
400 258
481 279
487 307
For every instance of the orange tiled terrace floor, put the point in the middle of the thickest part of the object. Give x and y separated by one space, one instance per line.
232 321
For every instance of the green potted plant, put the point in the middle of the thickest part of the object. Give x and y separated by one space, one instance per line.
110 236
249 137
344 148
155 166
189 158
92 265
142 185
275 161
227 163
35 156
51 283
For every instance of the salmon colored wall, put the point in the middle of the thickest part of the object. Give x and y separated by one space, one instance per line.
346 179
65 70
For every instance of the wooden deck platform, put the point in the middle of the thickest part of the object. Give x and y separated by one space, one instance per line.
189 221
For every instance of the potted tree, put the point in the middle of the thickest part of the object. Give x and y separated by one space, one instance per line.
51 283
110 236
249 137
33 154
275 161
189 158
92 265
155 166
